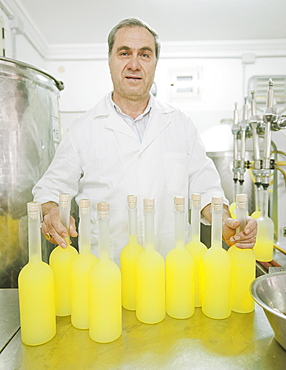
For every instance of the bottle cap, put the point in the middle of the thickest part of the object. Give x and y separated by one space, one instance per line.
179 203
196 199
33 207
149 204
65 197
241 200
132 201
84 203
217 202
103 209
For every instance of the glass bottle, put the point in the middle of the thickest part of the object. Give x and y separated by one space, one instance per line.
263 247
243 265
80 269
180 298
36 288
257 193
216 270
128 257
105 310
60 262
196 247
150 274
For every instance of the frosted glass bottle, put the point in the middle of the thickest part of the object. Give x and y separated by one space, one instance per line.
80 269
60 262
243 265
36 288
263 247
150 274
196 247
128 257
216 270
105 310
180 294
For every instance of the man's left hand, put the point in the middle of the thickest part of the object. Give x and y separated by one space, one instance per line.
243 239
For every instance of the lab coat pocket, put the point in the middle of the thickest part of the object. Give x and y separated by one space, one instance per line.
176 169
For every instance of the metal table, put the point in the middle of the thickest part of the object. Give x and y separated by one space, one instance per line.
243 341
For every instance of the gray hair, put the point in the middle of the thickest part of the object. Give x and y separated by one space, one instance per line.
133 22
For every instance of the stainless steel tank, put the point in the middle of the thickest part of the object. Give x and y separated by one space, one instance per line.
29 134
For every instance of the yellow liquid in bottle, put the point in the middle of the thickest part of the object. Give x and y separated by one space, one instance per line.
243 273
60 262
128 258
256 214
263 247
232 210
37 303
105 311
80 269
216 283
180 298
150 287
197 250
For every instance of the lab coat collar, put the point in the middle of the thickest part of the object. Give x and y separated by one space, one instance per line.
159 119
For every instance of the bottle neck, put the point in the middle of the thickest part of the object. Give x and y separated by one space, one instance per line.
257 194
216 233
84 231
104 238
264 203
65 208
179 229
132 221
35 252
149 230
195 224
241 213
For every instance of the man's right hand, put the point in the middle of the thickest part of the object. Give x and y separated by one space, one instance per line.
52 228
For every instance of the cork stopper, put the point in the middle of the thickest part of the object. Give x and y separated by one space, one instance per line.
179 203
65 199
217 202
84 205
33 209
103 209
132 201
196 199
149 205
241 200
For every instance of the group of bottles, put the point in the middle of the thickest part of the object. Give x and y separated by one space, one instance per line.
77 284
92 290
215 279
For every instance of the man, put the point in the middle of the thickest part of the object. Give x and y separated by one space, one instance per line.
130 143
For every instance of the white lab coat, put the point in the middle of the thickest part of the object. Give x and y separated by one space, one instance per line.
101 159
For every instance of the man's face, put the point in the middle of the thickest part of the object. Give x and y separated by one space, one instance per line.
132 63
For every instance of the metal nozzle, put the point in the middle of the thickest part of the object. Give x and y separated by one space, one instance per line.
270 93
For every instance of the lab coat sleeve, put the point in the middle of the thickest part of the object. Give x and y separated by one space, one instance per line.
203 175
62 176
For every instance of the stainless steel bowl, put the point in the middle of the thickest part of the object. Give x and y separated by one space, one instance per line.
269 291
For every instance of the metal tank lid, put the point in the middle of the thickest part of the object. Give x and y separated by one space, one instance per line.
19 63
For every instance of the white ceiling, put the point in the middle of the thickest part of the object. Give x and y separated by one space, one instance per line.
89 21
